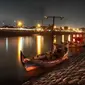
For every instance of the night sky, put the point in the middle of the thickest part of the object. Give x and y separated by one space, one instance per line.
33 11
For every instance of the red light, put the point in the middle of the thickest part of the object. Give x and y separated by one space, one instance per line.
74 35
73 40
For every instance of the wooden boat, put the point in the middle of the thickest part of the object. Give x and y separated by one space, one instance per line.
31 64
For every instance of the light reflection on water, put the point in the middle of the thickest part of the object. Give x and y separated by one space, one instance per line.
63 38
7 44
40 41
69 37
30 45
20 47
28 41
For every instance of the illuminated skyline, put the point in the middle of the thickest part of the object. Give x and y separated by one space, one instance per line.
33 11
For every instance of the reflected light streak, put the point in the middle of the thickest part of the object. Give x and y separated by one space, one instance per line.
20 45
73 40
69 37
6 44
62 38
39 44
65 57
74 35
28 41
77 35
31 68
54 41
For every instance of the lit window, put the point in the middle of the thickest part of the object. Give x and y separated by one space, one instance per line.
73 40
74 35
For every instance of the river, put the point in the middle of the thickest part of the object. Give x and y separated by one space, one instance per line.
11 69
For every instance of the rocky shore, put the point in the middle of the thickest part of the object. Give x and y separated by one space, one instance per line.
72 72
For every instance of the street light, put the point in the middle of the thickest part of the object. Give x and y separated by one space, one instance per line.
19 24
53 17
55 26
38 27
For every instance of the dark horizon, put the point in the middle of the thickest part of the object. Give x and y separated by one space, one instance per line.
32 12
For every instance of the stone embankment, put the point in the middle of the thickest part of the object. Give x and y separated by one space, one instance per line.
72 74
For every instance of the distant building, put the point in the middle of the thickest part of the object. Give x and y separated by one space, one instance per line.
83 29
8 26
66 27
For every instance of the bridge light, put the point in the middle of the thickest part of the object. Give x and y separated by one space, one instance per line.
73 39
74 35
38 25
77 35
55 26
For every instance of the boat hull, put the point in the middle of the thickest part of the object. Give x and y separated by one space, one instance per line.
35 64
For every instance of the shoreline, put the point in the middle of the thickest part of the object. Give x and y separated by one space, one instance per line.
29 33
72 74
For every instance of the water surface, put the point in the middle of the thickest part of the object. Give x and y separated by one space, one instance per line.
11 69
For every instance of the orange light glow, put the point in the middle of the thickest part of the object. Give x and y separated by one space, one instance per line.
20 43
74 35
55 26
63 38
69 37
30 68
39 25
39 44
19 23
54 41
65 56
73 40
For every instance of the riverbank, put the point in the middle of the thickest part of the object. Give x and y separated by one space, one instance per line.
71 72
14 32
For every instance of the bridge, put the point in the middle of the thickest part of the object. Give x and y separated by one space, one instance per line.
60 35
24 31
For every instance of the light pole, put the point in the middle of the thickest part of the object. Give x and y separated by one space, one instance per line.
53 20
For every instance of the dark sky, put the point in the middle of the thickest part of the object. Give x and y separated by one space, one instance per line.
33 11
